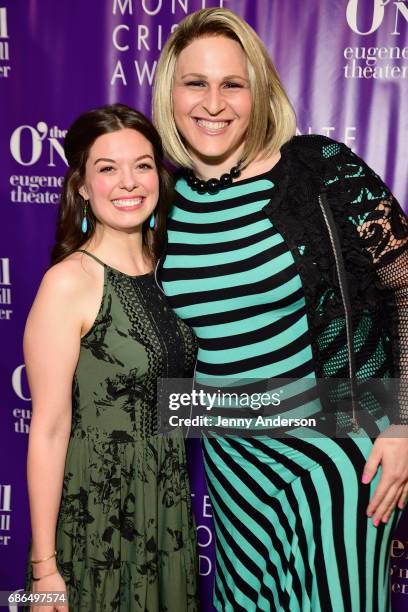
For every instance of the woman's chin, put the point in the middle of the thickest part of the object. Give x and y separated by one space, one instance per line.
216 156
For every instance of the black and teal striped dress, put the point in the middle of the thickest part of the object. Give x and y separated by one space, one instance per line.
289 513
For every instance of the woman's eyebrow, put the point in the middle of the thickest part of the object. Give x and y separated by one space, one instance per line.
107 159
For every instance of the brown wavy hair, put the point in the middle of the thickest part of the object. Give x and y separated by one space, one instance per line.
78 141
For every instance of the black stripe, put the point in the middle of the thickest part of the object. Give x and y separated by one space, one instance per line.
257 335
250 363
236 267
242 313
358 460
220 226
176 248
218 205
267 284
376 568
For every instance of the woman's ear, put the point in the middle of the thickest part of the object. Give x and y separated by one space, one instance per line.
83 192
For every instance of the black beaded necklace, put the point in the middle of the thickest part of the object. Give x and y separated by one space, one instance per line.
213 185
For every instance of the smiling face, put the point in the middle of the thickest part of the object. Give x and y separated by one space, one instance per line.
121 179
212 99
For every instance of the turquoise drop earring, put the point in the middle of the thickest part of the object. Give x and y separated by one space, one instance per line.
152 222
84 224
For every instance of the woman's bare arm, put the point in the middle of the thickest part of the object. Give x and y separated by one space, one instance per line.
51 349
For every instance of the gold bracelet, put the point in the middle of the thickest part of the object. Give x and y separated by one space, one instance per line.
46 576
46 558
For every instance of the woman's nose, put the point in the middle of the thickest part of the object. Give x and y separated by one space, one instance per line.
128 180
213 101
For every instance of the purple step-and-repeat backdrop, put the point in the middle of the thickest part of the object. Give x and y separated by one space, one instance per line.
345 66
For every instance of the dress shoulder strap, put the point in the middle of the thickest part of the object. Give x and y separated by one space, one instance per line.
91 255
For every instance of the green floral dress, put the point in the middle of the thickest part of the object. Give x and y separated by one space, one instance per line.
126 535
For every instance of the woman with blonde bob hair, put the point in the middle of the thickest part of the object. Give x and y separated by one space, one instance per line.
287 256
273 120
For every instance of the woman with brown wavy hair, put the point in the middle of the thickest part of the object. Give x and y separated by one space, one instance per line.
109 497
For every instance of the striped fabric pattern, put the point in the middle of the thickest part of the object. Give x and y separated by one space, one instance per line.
291 528
218 277
289 513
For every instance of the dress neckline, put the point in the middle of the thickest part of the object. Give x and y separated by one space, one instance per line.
108 267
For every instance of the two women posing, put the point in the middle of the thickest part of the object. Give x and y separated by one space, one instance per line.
286 256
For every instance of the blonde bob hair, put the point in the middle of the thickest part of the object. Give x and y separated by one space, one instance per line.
273 120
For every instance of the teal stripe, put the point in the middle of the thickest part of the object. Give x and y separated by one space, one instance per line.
258 274
201 218
269 371
226 194
179 237
257 348
215 259
185 312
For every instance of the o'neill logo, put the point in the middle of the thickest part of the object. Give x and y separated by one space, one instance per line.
371 62
378 7
43 144
35 137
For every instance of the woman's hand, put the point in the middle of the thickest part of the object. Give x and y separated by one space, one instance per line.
390 450
51 584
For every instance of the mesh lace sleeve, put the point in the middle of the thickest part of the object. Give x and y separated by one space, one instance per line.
383 228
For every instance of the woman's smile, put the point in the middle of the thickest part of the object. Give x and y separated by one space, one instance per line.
212 100
212 127
128 204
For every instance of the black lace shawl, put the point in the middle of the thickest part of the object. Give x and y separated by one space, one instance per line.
373 233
